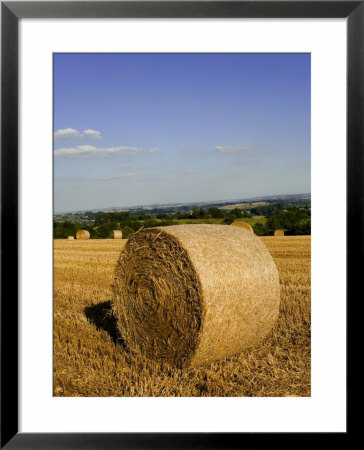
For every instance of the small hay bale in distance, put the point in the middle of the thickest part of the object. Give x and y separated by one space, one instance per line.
192 294
82 234
117 234
246 226
70 238
279 233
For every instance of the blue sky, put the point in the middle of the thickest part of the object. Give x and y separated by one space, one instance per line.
132 129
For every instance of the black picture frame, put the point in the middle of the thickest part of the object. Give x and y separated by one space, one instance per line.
11 12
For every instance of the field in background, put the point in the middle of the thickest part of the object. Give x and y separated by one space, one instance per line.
90 359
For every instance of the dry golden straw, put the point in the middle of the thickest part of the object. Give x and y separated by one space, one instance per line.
117 234
192 294
70 238
244 225
278 233
82 234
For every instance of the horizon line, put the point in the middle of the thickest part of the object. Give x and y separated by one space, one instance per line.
182 203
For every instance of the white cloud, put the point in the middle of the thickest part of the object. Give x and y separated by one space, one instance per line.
66 133
92 133
230 149
69 133
155 150
90 150
86 148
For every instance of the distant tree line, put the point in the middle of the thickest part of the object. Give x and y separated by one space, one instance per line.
293 220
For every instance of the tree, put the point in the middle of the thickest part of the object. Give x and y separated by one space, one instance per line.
197 213
294 220
272 223
68 225
259 229
215 213
236 213
163 216
102 231
127 231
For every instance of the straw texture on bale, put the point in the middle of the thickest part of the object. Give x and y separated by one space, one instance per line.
70 238
192 294
82 234
279 233
117 234
244 225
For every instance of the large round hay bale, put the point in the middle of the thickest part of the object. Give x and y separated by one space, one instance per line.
244 225
70 238
192 294
82 234
278 233
117 234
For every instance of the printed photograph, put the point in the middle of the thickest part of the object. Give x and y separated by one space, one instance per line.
182 225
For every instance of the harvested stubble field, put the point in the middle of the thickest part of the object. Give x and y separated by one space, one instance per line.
90 358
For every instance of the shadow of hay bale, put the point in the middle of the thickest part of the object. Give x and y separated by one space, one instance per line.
101 315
